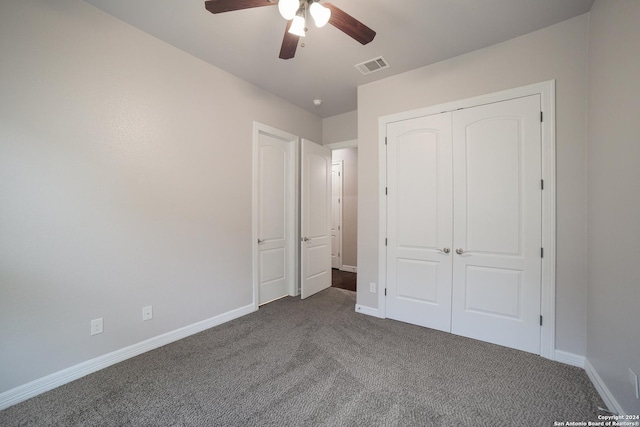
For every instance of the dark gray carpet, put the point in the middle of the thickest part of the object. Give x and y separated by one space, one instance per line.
317 362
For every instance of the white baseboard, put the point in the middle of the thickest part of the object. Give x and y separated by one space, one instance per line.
49 382
349 268
369 311
569 358
603 390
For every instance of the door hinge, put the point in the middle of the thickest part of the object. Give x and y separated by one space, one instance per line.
542 184
385 140
338 200
541 252
541 120
385 241
338 228
385 292
386 191
338 254
540 320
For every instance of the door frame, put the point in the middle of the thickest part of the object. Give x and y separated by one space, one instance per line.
293 261
546 90
339 163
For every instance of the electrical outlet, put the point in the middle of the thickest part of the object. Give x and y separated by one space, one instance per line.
147 312
372 288
633 378
96 326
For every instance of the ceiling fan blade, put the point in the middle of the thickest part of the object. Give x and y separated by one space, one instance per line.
219 6
289 43
350 25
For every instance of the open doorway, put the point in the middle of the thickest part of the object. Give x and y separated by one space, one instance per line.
291 206
344 227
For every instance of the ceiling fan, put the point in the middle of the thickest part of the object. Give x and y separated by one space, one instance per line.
295 12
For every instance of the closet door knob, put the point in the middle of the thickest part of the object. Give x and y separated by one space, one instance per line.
459 251
445 250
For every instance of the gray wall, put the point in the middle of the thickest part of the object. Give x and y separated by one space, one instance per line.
558 52
613 321
349 157
125 180
340 128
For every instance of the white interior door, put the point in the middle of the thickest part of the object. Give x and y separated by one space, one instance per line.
336 215
315 218
419 218
497 223
275 219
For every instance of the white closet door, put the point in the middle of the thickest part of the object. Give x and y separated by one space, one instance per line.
497 223
419 214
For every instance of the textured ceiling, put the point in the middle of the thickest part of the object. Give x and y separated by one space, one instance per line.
410 34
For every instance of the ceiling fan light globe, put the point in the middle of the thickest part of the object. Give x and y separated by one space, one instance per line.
297 26
320 14
288 8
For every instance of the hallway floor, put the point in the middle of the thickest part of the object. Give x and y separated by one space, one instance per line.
343 279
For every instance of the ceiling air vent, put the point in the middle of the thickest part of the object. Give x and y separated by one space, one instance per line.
375 64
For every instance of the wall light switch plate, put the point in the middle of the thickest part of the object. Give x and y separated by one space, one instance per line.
97 326
147 312
372 288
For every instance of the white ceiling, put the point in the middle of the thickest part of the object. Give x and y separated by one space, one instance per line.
410 34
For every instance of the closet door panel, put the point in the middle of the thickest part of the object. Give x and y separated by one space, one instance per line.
497 223
419 213
493 186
